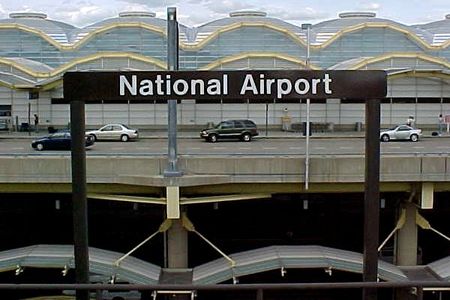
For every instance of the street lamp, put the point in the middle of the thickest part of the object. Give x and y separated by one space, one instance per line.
307 27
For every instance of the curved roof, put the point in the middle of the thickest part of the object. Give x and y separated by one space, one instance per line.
278 257
123 18
440 30
434 33
33 65
207 29
101 262
58 31
322 32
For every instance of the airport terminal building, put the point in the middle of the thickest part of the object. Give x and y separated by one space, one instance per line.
35 52
229 217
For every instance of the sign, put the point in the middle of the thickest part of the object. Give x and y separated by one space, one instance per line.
279 85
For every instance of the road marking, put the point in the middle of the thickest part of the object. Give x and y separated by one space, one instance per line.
320 148
18 148
142 148
219 148
443 147
345 147
245 148
195 148
117 148
394 147
269 148
295 148
418 147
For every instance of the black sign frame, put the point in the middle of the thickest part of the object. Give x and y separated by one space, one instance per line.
223 85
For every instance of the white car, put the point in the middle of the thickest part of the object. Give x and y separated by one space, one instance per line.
401 132
114 132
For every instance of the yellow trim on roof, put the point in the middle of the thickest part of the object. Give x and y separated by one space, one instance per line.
239 25
246 55
86 38
196 46
383 25
417 73
99 55
432 59
91 34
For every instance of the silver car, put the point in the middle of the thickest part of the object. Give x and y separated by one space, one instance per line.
114 132
401 132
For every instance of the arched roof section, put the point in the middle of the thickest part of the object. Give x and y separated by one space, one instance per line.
258 60
399 61
82 37
440 30
38 23
133 62
237 19
277 257
34 31
422 39
101 262
14 74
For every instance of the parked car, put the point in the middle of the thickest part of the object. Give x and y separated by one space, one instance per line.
114 132
244 130
57 141
401 132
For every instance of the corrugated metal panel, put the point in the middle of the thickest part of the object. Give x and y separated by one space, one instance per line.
441 268
100 262
276 257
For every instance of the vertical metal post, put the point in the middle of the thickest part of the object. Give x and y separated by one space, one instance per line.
259 294
172 65
308 103
371 197
79 198
267 117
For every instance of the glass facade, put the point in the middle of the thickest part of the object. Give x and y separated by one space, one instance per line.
35 52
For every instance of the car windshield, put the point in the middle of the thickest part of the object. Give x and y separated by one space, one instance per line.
125 126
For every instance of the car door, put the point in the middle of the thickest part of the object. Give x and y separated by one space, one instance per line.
402 132
226 129
238 128
105 133
116 132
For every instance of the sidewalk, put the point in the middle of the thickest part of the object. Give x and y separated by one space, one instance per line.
183 134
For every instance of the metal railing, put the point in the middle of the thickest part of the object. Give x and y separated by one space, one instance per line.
415 287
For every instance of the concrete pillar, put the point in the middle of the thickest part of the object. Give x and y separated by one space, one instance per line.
406 243
177 245
406 248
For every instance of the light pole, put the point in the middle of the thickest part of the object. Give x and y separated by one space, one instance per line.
307 27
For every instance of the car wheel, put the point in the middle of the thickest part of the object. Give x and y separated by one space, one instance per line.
213 138
385 138
246 137
39 147
124 138
93 137
414 137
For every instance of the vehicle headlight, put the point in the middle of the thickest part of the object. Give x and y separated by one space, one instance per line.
203 132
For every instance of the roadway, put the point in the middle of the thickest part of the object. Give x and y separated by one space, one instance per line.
260 146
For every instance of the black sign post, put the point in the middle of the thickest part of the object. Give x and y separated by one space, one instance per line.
79 196
227 85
